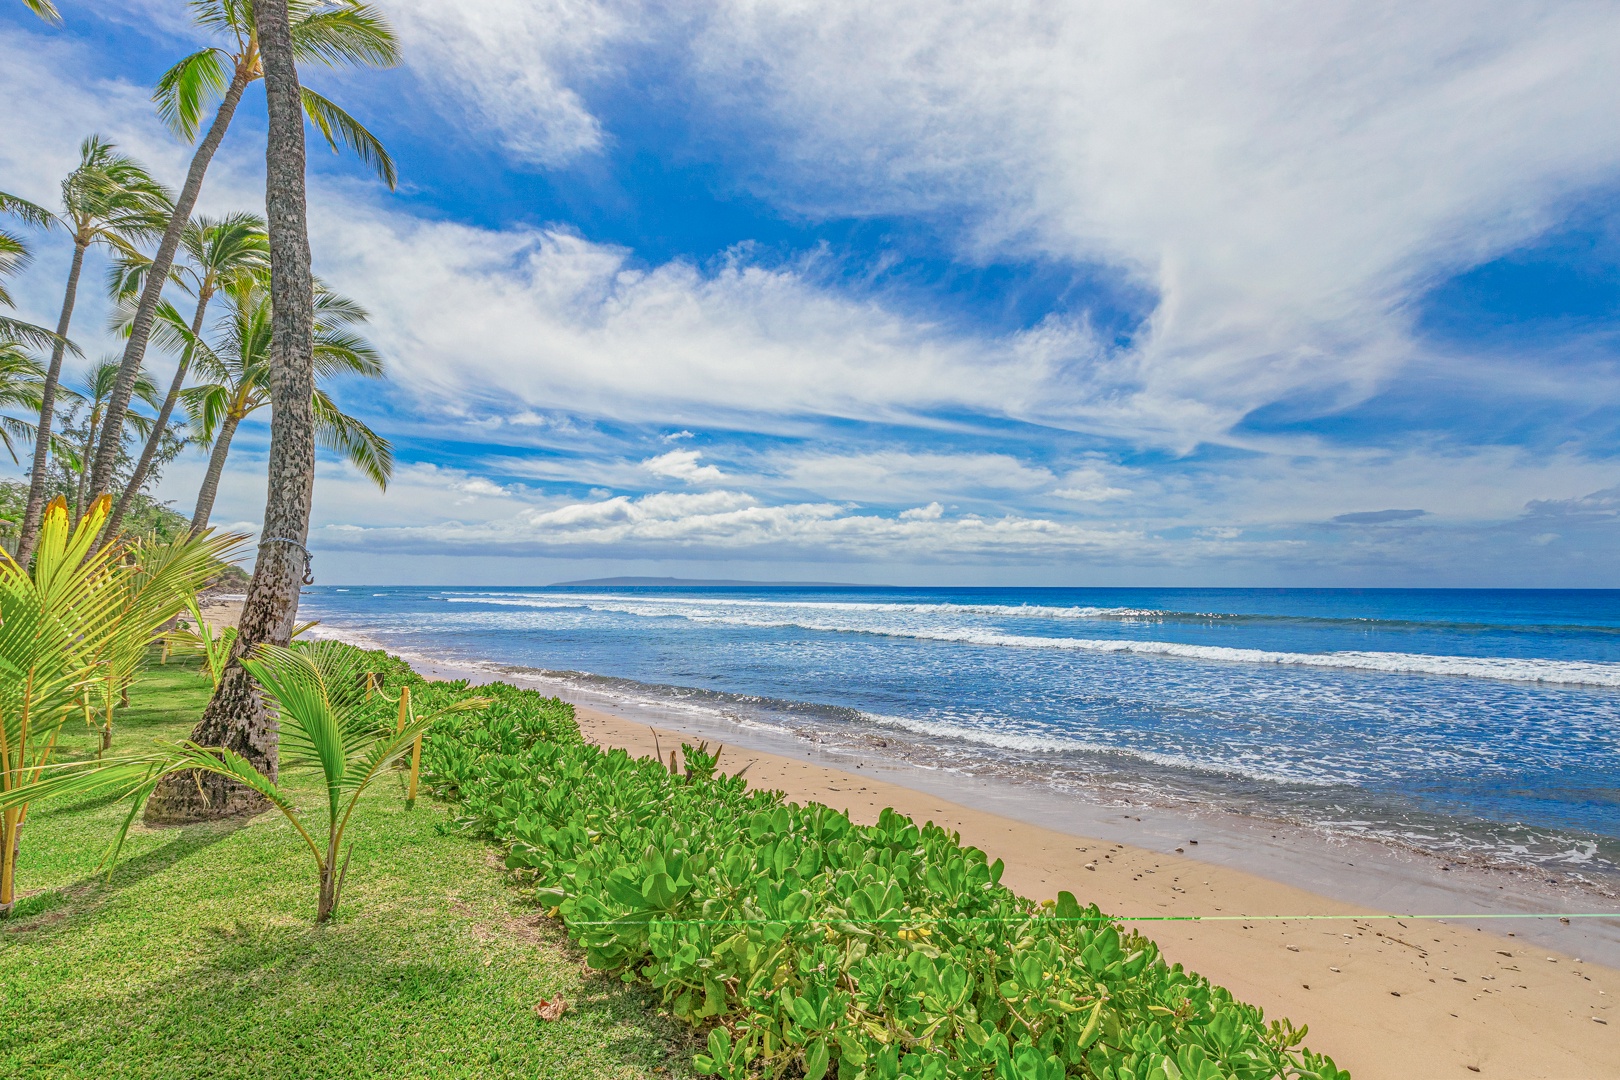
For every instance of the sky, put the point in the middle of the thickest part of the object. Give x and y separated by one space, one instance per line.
972 293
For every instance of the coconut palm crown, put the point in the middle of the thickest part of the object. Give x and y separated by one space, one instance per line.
237 367
217 251
109 200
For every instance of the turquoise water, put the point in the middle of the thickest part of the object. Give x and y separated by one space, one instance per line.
1478 724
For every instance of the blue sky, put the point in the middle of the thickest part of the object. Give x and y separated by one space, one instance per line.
919 293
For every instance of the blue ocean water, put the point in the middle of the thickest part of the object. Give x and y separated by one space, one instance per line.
1477 724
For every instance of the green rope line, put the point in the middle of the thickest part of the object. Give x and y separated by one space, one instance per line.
1100 919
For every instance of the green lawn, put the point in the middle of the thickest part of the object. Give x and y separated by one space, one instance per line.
200 958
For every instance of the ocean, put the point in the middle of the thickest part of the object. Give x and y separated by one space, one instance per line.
1479 725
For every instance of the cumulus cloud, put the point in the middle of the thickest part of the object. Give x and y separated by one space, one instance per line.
683 465
1091 484
477 485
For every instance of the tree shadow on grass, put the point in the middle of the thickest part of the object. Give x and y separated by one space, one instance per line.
55 909
268 1001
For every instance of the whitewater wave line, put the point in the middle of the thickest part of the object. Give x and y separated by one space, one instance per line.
1500 669
1038 611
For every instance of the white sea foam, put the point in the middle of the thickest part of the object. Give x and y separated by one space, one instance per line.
999 737
933 622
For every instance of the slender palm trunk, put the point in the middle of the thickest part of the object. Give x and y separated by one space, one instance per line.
84 460
10 835
216 466
235 717
47 413
154 440
129 368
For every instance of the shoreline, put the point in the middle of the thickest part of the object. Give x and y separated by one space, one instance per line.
1384 998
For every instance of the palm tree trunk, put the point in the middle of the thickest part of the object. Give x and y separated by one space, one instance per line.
216 465
84 460
140 329
47 413
154 440
235 717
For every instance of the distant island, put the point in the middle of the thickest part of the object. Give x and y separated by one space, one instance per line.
668 582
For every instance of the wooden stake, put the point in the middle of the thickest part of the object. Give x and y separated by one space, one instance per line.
404 706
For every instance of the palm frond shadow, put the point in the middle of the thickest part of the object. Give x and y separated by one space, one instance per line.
51 909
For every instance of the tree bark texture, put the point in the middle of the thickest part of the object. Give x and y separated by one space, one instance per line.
153 441
216 466
140 330
236 716
47 414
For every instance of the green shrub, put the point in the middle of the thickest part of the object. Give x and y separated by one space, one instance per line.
811 946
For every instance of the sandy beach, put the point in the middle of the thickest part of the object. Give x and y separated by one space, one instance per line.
1388 999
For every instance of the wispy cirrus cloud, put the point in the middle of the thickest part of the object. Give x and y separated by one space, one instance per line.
1286 178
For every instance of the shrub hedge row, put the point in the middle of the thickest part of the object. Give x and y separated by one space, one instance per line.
812 946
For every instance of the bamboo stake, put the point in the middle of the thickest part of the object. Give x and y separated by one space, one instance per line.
416 768
416 747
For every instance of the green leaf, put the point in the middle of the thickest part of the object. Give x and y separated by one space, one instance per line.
338 127
816 1057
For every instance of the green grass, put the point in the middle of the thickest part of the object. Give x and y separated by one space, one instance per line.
199 958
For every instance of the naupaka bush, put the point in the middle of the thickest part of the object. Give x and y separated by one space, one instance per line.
812 946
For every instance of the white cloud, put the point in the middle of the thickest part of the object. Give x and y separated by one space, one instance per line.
721 522
514 65
900 476
1285 176
548 316
477 485
1090 484
683 465
1286 201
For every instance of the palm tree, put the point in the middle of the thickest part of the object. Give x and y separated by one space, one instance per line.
111 201
235 718
238 367
331 32
217 253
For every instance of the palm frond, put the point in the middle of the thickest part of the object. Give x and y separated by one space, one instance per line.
348 32
188 88
14 255
36 337
338 126
369 452
26 212
44 9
